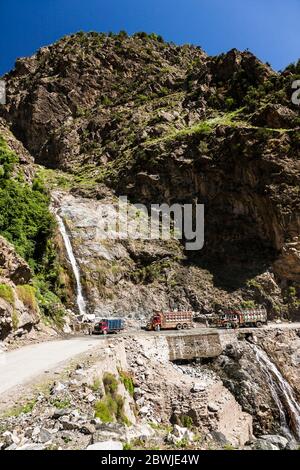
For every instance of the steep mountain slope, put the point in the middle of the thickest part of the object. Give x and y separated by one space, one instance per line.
163 123
29 269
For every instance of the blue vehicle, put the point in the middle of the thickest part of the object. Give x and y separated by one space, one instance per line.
108 325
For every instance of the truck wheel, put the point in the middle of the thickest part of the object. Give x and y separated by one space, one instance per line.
157 328
259 324
185 326
179 326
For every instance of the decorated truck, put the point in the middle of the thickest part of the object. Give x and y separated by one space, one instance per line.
178 320
238 318
107 325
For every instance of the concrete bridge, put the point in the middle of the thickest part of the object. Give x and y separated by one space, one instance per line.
198 345
203 343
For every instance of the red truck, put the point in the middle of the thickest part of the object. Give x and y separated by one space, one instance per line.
170 320
237 318
107 325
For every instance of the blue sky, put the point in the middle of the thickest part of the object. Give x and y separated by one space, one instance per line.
269 28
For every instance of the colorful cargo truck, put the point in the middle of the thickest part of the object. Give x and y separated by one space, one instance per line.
239 318
175 320
107 325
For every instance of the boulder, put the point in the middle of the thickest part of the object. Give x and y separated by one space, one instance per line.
219 438
278 441
59 413
12 265
44 436
139 431
180 434
263 444
275 116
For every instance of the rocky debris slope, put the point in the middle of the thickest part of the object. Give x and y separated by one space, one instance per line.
127 394
166 394
104 403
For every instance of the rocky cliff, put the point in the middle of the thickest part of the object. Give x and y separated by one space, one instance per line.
117 115
19 311
29 270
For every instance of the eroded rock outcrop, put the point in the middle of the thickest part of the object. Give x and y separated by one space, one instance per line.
19 311
162 123
261 390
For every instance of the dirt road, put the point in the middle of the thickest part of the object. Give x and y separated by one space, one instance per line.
20 366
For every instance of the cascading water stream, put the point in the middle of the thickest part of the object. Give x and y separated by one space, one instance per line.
282 393
80 299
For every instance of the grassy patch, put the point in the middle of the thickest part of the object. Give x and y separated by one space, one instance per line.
22 409
7 293
111 407
104 410
110 383
203 127
206 127
127 380
229 447
61 404
96 385
167 428
26 294
248 304
15 319
186 421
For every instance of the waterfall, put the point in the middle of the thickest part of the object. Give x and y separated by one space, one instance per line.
282 394
80 299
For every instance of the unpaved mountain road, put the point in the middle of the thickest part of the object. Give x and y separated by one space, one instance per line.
20 366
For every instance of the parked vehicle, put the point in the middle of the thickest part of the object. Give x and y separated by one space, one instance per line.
170 320
238 318
107 325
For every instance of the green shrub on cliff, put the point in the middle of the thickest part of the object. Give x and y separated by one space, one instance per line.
26 294
25 219
111 407
7 293
7 161
127 381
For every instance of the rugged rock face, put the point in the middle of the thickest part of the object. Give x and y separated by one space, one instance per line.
18 308
106 116
161 123
201 399
132 277
12 265
25 164
284 349
243 374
